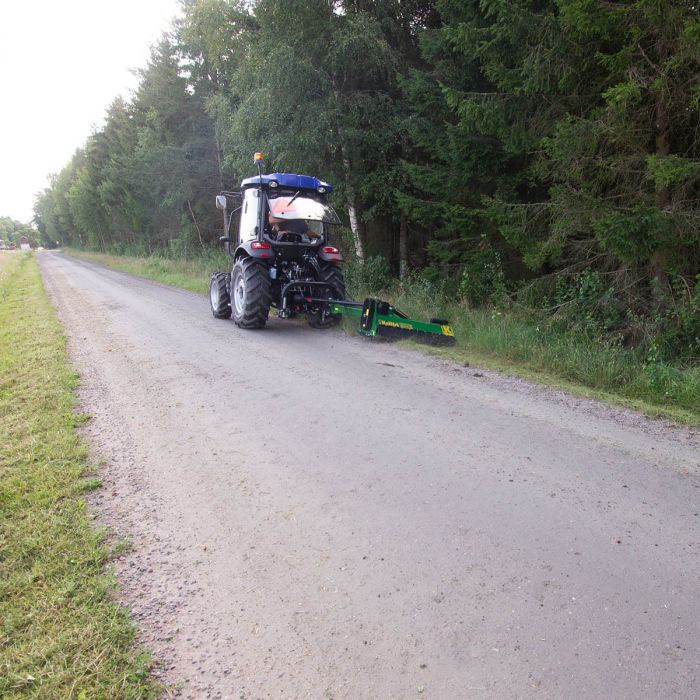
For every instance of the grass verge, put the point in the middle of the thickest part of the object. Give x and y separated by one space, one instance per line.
516 343
535 347
62 635
187 273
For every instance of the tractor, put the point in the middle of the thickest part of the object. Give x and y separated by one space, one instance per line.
281 250
283 259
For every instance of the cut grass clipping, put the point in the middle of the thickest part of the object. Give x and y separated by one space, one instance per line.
62 635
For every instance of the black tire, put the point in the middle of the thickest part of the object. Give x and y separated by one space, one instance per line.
219 298
333 275
318 318
250 293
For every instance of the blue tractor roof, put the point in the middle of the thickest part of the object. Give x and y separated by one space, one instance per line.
297 182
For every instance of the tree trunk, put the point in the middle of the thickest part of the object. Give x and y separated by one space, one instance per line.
663 148
403 246
196 225
352 209
219 151
354 227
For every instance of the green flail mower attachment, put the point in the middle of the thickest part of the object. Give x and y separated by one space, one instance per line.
380 318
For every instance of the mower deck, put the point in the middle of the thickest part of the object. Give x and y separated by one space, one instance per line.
380 318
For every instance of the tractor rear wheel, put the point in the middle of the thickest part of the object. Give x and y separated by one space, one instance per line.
333 275
219 298
250 293
319 318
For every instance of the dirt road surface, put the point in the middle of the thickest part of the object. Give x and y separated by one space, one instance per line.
322 516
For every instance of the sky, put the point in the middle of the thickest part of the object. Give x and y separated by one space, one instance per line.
63 62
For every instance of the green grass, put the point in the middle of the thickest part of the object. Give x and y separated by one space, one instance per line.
518 343
536 347
62 635
187 273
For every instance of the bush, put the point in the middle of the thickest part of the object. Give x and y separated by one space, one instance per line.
368 277
483 281
678 334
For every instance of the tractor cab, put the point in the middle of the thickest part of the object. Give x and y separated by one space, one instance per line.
298 216
285 210
282 257
288 212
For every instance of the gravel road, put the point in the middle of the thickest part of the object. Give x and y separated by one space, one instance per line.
322 516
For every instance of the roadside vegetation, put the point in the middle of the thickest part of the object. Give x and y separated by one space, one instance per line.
570 347
191 273
62 634
534 166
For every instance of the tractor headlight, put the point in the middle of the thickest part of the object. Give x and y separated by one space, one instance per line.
321 189
272 183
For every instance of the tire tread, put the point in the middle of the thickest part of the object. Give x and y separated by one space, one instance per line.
223 309
258 294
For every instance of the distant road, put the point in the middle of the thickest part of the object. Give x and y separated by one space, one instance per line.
329 517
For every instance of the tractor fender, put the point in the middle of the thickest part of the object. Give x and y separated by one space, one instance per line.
246 250
328 253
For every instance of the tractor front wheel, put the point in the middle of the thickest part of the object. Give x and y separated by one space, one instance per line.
250 293
218 295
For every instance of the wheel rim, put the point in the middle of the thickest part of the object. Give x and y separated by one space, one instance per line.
239 294
214 295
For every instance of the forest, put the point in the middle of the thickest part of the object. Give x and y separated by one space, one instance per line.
537 155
